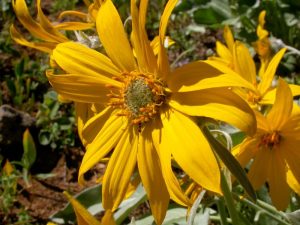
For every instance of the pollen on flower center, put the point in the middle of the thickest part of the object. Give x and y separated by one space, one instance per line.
137 95
139 98
270 140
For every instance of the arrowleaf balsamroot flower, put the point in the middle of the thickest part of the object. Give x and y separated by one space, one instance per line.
275 148
146 120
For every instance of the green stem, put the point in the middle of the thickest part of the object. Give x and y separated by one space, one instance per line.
219 219
221 207
264 208
229 201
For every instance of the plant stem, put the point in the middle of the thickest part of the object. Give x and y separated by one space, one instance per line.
264 208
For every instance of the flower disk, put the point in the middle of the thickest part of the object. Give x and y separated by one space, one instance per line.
140 97
137 95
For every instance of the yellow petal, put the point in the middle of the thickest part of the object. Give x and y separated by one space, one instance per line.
76 58
32 26
245 151
201 75
108 218
74 26
83 113
243 63
80 88
113 37
163 62
262 122
41 46
295 89
219 104
78 14
261 32
282 108
289 150
94 124
223 51
83 216
258 173
155 43
267 78
293 182
151 175
145 56
165 18
269 97
228 38
46 24
279 189
103 143
143 12
164 154
190 149
119 170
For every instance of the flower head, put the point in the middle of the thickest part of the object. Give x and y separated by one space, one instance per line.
146 118
236 59
274 148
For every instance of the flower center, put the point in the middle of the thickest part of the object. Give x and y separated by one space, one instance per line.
270 140
140 97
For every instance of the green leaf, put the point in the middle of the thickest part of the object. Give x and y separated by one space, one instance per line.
19 68
176 216
91 199
29 154
294 217
237 138
231 163
128 205
207 16
229 201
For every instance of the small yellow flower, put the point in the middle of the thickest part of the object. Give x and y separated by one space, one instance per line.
146 120
274 148
236 59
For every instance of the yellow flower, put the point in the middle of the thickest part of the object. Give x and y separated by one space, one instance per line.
236 59
44 30
274 149
146 120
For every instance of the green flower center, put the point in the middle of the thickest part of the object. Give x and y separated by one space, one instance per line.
137 95
140 97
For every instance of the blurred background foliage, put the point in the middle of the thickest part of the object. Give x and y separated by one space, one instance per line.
195 26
